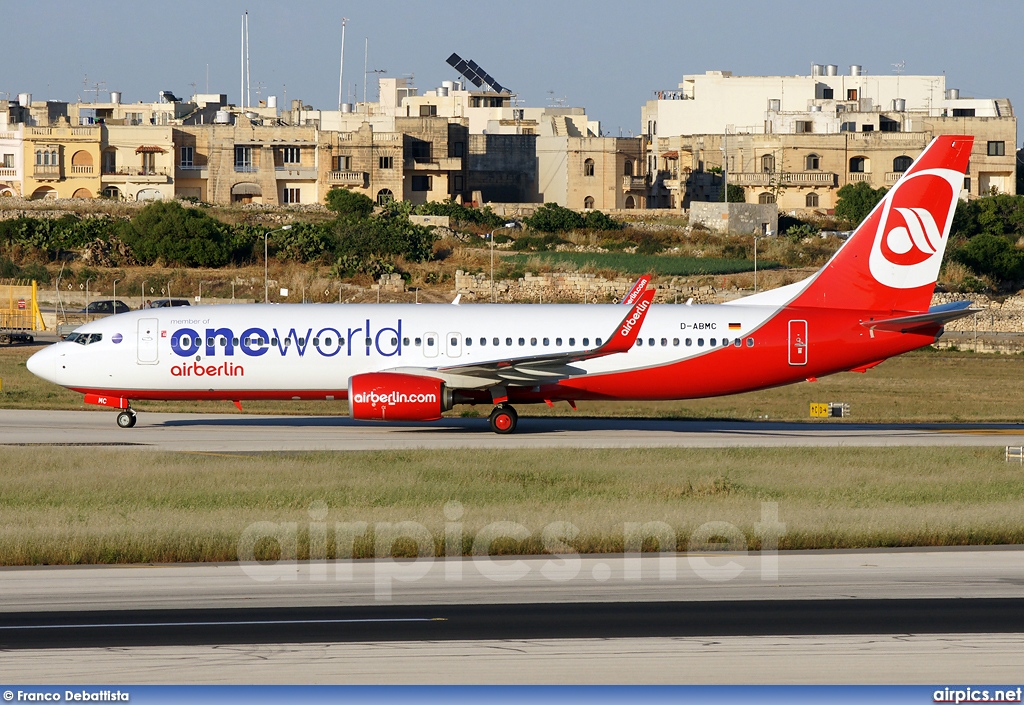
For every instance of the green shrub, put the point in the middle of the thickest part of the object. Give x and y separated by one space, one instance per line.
855 201
460 213
180 236
553 218
349 203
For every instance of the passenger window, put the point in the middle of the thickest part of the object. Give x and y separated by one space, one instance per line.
675 342
522 341
209 342
419 341
316 342
405 341
533 341
664 342
713 342
430 342
547 341
483 341
750 342
586 342
369 341
737 342
508 342
650 341
495 341
341 342
273 341
689 342
234 341
598 342
700 342
639 342
572 342
453 342
469 341
287 342
394 341
558 341
302 341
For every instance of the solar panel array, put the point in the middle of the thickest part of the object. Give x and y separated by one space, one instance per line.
474 74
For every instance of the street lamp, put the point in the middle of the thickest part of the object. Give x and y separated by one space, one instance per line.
266 286
87 311
142 301
115 290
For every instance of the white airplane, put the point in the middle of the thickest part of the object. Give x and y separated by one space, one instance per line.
413 362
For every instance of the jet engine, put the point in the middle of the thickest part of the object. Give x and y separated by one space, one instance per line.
393 396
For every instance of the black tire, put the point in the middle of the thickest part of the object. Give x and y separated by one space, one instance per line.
504 419
126 419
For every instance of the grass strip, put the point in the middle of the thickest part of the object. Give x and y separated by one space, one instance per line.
84 506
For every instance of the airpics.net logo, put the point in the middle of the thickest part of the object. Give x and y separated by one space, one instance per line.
392 398
911 235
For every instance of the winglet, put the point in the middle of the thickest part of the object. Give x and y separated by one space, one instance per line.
626 334
638 288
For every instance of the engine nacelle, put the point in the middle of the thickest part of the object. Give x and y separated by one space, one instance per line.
393 396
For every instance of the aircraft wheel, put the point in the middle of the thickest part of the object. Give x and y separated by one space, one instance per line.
504 419
126 419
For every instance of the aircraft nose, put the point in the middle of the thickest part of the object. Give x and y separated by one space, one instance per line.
44 364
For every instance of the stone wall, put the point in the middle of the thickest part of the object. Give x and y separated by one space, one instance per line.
742 218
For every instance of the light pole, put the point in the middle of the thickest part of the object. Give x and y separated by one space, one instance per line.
88 313
115 291
142 301
266 286
490 236
755 264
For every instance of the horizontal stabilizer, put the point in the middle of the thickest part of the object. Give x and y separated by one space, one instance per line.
935 317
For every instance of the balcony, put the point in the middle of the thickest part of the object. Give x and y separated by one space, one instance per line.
787 178
246 168
892 177
296 172
6 173
634 183
347 178
446 164
192 171
138 176
45 172
858 176
82 170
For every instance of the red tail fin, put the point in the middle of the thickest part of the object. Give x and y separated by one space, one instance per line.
892 260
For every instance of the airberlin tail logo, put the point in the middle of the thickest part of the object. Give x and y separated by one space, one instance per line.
913 228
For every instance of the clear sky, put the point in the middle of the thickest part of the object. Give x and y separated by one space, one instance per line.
608 57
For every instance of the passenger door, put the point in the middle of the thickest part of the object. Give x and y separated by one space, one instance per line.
430 345
454 341
148 347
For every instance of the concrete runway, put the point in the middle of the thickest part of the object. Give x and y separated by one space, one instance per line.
881 616
243 433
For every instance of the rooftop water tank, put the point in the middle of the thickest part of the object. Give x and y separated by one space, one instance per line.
222 117
24 99
272 101
450 85
774 104
953 94
816 69
346 107
831 70
815 108
855 69
899 104
115 97
442 92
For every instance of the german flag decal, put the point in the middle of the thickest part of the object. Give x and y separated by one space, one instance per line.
734 326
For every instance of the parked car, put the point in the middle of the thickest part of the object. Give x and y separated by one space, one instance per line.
98 308
164 303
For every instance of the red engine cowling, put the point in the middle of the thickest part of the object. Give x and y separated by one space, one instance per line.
392 396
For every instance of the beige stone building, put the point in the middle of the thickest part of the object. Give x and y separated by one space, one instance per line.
61 161
137 162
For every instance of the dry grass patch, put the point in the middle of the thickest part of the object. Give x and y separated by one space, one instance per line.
66 506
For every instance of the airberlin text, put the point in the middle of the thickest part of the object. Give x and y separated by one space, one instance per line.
253 342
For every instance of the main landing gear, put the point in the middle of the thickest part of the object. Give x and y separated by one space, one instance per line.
127 418
503 419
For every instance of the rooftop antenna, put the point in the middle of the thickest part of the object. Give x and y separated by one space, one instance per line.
207 78
241 90
341 71
366 65
248 74
898 69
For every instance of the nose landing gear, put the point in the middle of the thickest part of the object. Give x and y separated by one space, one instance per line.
503 419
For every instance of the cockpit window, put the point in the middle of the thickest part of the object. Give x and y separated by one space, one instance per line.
84 338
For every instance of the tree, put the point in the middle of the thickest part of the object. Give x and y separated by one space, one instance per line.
737 194
349 203
855 201
181 236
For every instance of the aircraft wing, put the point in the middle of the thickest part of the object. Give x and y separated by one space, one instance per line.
537 369
934 317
